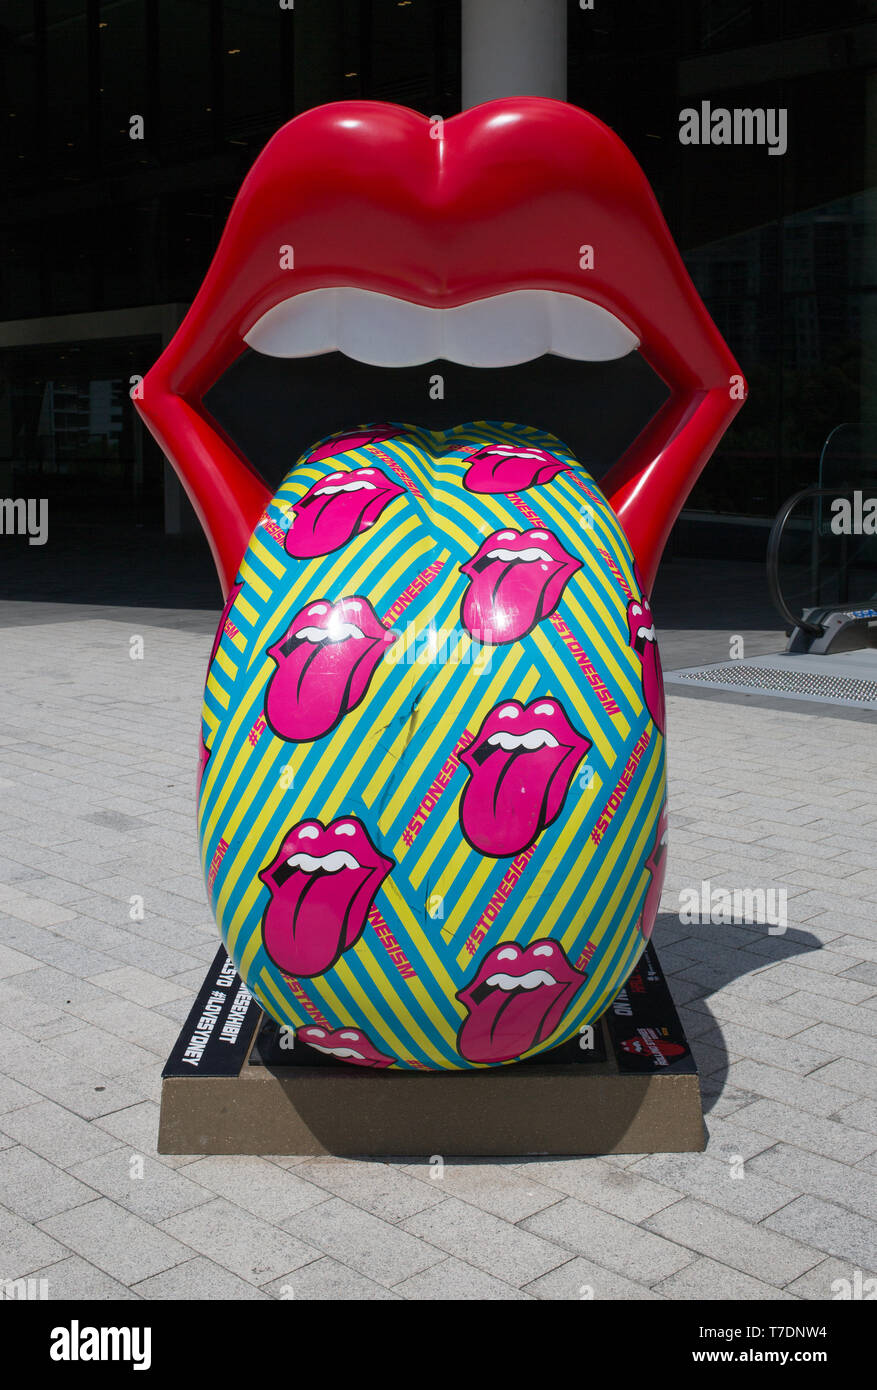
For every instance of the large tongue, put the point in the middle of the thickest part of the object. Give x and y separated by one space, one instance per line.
312 917
507 801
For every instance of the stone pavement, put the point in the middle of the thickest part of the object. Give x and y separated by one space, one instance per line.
105 937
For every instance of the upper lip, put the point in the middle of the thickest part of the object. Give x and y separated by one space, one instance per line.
509 967
322 621
368 202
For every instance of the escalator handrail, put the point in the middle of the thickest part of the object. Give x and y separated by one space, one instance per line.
773 554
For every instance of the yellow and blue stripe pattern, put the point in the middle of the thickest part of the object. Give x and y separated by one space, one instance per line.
431 781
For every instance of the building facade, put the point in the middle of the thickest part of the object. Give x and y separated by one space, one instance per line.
129 125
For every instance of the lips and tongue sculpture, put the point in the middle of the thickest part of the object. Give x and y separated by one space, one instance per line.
413 781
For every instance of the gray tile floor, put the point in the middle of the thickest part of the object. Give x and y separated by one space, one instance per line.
105 936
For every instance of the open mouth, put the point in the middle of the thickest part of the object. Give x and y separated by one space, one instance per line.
357 235
517 579
516 1000
521 764
322 882
656 864
324 665
644 642
344 1044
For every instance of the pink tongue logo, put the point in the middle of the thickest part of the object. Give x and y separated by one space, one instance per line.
521 765
325 664
516 1000
336 509
501 468
322 883
517 578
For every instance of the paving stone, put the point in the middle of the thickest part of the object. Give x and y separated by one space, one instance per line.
257 1185
824 1136
15 962
513 1253
510 1191
834 1280
13 1096
56 1134
617 1244
726 1139
142 1185
373 1247
708 1279
728 1184
115 1240
239 1241
454 1280
198 1279
828 1227
822 1177
585 1281
858 1077
774 1084
139 986
327 1280
749 1248
24 1248
34 1188
816 1009
385 1189
79 1281
623 1192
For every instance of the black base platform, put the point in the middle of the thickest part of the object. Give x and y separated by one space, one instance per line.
233 1086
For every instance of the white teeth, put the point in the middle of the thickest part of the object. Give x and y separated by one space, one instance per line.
536 738
339 1052
647 632
531 553
331 488
498 331
335 632
532 980
310 863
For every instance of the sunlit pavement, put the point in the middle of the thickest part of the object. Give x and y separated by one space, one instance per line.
97 766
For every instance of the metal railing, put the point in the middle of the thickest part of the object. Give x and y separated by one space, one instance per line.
796 619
